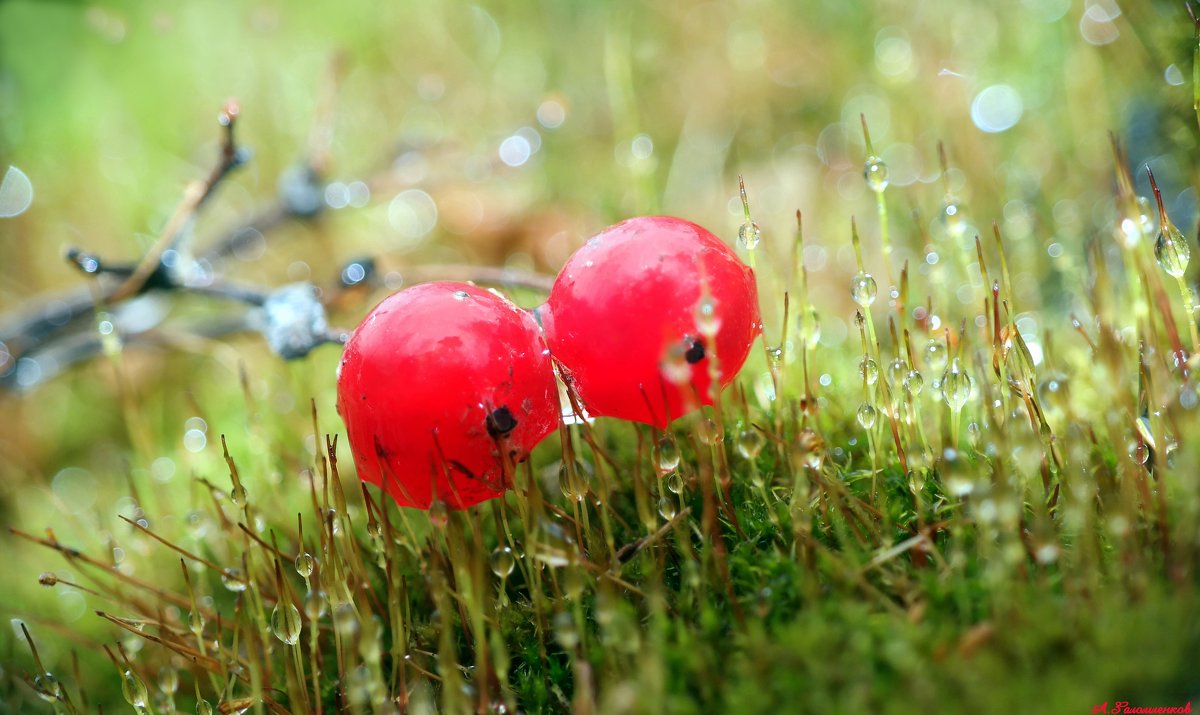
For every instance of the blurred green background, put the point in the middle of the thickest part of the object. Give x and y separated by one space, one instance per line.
503 134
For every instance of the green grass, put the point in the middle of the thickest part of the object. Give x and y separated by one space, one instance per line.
1035 549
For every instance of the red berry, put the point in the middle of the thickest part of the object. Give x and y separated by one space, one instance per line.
443 387
622 318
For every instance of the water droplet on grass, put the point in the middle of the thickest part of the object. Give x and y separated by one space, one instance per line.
868 370
285 622
502 561
866 416
305 564
750 443
875 171
668 455
233 580
749 235
863 289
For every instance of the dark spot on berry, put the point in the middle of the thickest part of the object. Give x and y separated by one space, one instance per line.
500 422
695 350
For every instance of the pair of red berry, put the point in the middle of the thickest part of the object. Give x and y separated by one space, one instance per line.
444 387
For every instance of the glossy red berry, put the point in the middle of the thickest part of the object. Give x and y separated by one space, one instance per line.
443 387
628 326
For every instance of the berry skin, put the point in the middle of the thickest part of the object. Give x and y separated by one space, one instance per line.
622 318
443 387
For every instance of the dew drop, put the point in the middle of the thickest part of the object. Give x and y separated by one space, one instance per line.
956 386
233 580
502 561
868 370
896 371
935 355
707 321
668 455
666 508
866 415
863 289
195 622
285 622
134 690
875 171
305 564
1172 250
750 443
749 235
674 482
316 605
913 382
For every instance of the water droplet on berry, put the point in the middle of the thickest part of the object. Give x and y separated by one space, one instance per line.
553 546
863 289
461 295
875 171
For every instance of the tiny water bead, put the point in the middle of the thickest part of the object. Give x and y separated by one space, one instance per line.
134 689
956 386
553 547
875 171
48 687
674 482
1172 250
809 324
935 355
305 564
316 605
502 561
913 383
285 622
233 579
749 235
866 416
195 622
868 370
668 455
863 289
896 371
238 495
574 479
750 443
